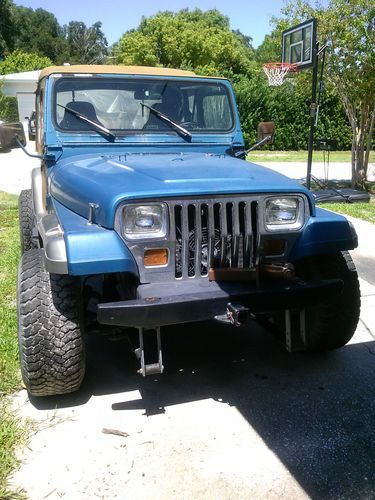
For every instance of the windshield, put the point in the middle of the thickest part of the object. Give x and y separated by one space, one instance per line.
116 103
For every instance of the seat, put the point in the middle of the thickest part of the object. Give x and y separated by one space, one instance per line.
171 106
71 122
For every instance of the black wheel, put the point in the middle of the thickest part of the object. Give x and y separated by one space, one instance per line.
31 137
332 324
49 334
26 220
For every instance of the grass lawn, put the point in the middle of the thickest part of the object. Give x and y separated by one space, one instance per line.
12 432
335 156
364 211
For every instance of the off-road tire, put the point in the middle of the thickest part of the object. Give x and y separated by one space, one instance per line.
332 324
26 220
49 334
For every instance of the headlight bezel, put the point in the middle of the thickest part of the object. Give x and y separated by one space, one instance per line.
286 226
145 235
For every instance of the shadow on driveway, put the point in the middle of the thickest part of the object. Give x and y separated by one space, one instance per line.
315 412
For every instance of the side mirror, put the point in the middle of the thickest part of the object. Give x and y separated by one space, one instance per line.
266 129
8 134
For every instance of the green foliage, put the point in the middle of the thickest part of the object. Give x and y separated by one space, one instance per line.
270 49
12 431
8 107
38 31
349 28
86 45
9 257
19 61
196 40
364 211
288 107
6 27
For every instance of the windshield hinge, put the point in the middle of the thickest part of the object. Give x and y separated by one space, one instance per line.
53 152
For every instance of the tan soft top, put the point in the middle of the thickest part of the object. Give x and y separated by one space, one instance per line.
116 70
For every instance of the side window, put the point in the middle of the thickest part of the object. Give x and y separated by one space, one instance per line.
40 117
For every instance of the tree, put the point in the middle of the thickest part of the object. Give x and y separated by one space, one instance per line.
6 31
19 61
202 41
38 31
349 29
86 45
8 107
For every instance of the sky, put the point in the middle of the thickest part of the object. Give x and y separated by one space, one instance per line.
117 16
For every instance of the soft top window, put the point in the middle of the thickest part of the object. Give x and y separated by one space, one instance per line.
116 103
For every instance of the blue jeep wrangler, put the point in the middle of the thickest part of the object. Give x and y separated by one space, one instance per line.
145 213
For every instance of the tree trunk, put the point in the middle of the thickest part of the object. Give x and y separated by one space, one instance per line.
359 168
354 160
362 124
369 139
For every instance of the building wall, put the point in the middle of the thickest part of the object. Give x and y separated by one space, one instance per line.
11 88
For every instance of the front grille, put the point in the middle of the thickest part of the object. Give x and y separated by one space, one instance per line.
213 234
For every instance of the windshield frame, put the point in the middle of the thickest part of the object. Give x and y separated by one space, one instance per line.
123 133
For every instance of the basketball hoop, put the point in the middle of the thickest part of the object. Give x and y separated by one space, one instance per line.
276 72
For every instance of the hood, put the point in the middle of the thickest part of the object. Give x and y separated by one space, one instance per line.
110 179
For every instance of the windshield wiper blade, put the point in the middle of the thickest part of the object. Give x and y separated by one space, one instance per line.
98 128
185 134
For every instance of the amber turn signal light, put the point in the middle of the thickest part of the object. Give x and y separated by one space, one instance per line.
274 247
155 257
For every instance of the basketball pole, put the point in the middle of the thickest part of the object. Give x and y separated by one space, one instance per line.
312 114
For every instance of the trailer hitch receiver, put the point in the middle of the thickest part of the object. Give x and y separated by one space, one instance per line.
237 314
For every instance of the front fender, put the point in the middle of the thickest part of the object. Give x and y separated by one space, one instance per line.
327 232
92 249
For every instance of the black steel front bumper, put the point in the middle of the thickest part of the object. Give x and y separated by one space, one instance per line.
188 301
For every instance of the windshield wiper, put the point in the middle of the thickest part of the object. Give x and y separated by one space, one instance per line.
185 134
106 133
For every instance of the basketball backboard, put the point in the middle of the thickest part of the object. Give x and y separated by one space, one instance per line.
298 44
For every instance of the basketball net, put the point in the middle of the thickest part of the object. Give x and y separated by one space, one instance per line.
276 72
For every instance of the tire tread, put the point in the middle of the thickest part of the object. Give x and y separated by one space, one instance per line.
50 338
26 220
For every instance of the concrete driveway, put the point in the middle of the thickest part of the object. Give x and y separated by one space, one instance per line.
233 416
15 169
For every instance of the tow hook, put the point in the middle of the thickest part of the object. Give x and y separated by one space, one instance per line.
237 314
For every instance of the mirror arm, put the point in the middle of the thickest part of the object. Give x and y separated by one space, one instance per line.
266 139
41 157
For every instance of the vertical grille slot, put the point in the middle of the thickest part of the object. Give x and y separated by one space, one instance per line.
214 234
242 237
247 241
223 235
198 239
178 236
254 225
192 240
205 240
236 235
228 262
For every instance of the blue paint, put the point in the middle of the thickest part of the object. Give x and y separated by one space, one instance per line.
326 233
92 249
76 183
88 169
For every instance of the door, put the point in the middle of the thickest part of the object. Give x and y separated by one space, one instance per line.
26 104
